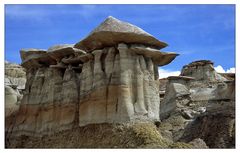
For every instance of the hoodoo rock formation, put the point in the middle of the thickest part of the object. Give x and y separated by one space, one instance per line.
111 76
105 92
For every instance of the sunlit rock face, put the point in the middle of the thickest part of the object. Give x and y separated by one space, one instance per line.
198 82
120 88
14 82
113 31
205 100
202 70
75 85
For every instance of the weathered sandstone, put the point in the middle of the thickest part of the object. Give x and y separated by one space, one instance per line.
205 102
70 86
104 91
113 31
15 79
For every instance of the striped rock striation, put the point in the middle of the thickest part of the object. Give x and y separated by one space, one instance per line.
109 77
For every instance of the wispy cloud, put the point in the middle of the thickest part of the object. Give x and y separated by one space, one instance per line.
164 73
25 12
200 48
220 69
44 12
156 13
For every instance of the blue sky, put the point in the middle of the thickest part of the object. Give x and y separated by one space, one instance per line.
194 31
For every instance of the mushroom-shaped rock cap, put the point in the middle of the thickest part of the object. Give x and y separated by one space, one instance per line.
59 47
59 51
31 53
113 31
159 58
35 58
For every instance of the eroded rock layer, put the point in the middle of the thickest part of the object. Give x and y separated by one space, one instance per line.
109 85
14 82
200 103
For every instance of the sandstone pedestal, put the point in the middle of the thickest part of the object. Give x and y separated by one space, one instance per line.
98 80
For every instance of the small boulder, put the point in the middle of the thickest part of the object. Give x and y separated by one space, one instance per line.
198 144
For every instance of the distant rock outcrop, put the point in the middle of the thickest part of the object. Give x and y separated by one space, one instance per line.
205 101
15 79
109 77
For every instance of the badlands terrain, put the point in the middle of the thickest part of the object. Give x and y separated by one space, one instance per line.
105 92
